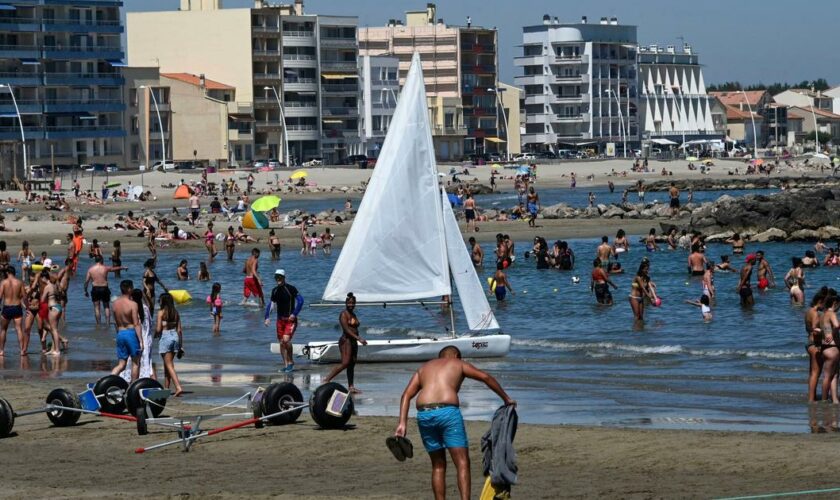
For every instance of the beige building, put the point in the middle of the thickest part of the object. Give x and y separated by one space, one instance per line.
199 119
460 71
510 132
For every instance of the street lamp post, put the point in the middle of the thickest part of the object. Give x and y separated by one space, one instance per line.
282 119
20 122
622 130
682 113
498 91
160 124
816 128
752 119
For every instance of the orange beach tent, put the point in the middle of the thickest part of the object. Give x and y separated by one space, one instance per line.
182 193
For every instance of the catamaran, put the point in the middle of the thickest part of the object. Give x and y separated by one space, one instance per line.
405 248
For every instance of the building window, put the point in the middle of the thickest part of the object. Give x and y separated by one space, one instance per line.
449 120
135 152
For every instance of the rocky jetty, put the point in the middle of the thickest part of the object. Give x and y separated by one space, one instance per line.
721 184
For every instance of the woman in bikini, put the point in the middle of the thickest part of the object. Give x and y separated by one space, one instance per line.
150 277
274 245
50 311
5 258
795 281
814 332
25 257
829 325
230 243
33 305
620 243
95 250
168 329
116 258
650 241
737 244
182 273
639 290
348 344
210 241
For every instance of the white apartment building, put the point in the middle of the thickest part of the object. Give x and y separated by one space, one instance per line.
380 84
580 84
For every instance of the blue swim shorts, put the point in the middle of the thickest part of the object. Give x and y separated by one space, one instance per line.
127 344
442 428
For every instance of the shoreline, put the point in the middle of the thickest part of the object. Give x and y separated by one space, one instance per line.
554 460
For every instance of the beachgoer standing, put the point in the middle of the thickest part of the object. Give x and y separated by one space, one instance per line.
195 208
814 345
12 292
674 193
604 251
171 344
476 252
129 331
214 300
600 284
326 241
100 294
436 385
765 272
830 328
696 261
253 283
744 285
533 206
210 241
348 344
288 302
502 285
469 213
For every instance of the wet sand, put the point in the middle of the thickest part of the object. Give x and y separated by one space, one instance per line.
96 459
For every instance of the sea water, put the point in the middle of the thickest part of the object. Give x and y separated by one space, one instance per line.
572 361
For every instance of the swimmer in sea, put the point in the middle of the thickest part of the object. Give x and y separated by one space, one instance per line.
604 251
737 244
795 282
502 283
709 281
705 306
274 245
725 265
600 284
813 347
810 259
650 241
620 243
765 272
744 284
476 252
829 325
696 261
639 290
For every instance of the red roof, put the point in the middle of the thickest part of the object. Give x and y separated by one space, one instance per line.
733 113
736 98
817 111
196 80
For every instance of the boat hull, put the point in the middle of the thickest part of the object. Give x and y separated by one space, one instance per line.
404 350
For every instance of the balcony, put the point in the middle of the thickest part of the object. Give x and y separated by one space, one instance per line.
478 68
338 42
270 125
336 65
76 106
571 79
339 135
568 119
19 52
21 78
13 133
303 132
83 79
275 30
77 52
571 59
341 88
299 34
542 138
440 130
300 85
536 60
263 78
340 111
297 109
377 83
79 26
84 131
27 107
534 80
300 61
235 134
538 117
488 48
20 24
298 39
263 54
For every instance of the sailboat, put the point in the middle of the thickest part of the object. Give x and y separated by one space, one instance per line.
405 248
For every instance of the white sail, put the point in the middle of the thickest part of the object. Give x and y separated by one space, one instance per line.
396 249
474 301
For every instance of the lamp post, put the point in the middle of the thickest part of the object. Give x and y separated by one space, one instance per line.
283 120
752 119
622 130
682 113
816 127
498 91
20 122
160 124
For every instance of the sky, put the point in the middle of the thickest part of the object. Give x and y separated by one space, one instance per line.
751 41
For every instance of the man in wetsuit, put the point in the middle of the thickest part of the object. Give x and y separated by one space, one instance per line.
436 385
289 303
253 283
129 331
12 293
744 286
101 293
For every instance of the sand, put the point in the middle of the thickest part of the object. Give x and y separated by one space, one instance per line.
96 459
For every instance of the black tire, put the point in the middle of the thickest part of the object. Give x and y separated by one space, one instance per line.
142 428
63 418
133 401
278 397
7 418
319 402
256 408
110 392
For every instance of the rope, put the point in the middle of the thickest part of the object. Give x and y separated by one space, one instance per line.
784 494
206 412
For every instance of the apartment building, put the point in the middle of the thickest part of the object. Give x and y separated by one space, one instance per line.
61 60
580 82
295 73
674 104
460 68
380 91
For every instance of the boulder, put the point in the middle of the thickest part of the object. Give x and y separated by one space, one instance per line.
601 208
718 237
632 214
613 212
804 234
772 234
590 212
828 232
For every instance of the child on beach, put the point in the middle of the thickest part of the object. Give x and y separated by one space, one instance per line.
705 306
215 302
203 273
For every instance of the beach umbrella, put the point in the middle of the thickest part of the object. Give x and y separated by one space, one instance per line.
692 158
254 220
297 174
495 165
523 169
136 191
757 162
265 203
113 184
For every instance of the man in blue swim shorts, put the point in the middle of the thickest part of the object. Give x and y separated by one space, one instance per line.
436 385
129 331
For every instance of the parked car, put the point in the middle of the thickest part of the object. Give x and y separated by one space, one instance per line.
314 162
495 157
525 157
274 164
158 165
259 164
547 155
185 165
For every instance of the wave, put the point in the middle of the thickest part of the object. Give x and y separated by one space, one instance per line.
607 347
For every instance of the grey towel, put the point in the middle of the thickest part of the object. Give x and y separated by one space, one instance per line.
497 446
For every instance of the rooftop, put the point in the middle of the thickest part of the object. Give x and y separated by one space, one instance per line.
817 111
196 80
736 98
734 113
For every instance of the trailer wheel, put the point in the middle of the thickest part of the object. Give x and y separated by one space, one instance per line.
142 428
110 391
134 401
319 404
256 408
7 418
279 397
65 398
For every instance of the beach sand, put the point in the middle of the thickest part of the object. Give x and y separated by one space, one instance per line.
96 459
